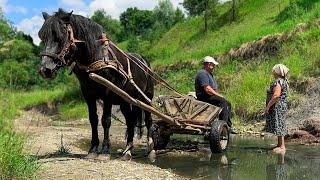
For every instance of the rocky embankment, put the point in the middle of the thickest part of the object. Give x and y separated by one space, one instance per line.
308 133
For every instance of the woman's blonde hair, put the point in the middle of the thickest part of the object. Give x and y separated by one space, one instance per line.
281 70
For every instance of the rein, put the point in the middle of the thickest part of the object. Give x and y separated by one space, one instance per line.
70 42
101 64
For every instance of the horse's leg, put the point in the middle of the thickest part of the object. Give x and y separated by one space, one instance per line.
93 117
148 122
106 123
128 112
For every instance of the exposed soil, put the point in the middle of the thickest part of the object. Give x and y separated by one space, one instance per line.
304 120
266 46
58 148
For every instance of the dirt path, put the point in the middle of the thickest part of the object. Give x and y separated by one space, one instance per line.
67 160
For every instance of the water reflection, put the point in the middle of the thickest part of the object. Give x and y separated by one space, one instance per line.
221 167
247 158
277 171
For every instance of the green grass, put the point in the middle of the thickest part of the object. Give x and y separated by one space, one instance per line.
73 110
187 42
15 163
14 160
243 82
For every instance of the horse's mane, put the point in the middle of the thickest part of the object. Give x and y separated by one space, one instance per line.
84 29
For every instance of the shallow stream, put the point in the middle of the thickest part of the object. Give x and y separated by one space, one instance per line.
247 158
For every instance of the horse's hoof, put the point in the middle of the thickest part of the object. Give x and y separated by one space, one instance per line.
152 156
126 157
104 157
104 151
93 149
91 156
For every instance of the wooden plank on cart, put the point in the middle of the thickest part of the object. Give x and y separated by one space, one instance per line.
189 110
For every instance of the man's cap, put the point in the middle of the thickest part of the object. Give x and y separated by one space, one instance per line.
209 59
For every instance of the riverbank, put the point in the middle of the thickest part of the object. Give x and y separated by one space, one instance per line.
60 153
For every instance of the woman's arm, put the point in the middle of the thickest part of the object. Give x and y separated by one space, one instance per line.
274 98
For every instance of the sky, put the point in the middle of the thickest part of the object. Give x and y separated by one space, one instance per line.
26 15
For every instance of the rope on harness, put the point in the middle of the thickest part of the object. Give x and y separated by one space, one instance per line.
154 76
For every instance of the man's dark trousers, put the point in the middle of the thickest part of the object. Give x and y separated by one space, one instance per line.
220 102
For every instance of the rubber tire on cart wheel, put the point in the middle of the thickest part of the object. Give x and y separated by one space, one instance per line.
219 136
159 136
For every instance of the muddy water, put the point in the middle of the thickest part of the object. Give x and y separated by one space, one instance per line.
247 158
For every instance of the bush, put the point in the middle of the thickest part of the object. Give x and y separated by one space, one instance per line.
295 9
15 75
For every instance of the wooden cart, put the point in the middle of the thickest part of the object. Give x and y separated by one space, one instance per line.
181 115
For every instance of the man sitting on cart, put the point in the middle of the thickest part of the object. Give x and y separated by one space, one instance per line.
207 90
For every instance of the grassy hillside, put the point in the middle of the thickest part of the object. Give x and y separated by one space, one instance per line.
244 81
257 18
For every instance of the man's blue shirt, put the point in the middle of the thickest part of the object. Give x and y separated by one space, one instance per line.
204 78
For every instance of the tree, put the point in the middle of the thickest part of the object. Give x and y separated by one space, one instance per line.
136 22
111 26
234 10
6 31
165 17
194 7
178 16
210 11
164 13
197 7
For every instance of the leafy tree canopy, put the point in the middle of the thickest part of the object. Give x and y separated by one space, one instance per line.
164 13
136 22
194 7
111 26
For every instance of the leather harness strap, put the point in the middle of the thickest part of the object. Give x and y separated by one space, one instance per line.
101 64
114 64
70 42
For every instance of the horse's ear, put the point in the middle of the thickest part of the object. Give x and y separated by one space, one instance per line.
45 16
66 17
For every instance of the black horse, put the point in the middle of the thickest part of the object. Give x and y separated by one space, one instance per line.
73 40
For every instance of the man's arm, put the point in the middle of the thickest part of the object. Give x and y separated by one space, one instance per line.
208 89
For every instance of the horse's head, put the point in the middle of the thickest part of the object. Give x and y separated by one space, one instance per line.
57 35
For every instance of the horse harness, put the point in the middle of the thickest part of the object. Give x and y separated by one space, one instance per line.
95 66
104 63
112 63
70 42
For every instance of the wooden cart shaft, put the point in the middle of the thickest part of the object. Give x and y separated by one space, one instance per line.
181 112
132 100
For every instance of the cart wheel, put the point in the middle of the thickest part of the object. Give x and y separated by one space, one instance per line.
219 136
160 135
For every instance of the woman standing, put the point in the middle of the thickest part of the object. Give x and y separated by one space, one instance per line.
276 106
